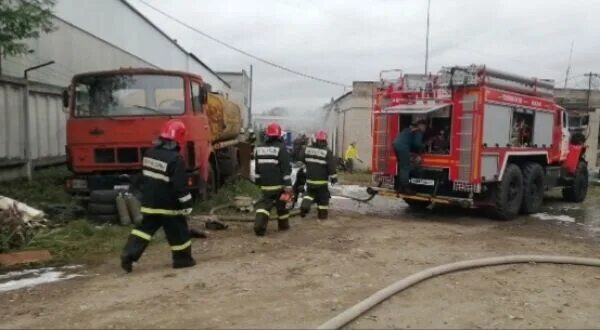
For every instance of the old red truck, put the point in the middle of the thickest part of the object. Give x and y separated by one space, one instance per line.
495 140
114 116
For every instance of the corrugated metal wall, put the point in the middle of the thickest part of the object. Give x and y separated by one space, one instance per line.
47 126
12 138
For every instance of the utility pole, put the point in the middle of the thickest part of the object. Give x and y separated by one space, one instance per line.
589 93
569 65
249 125
427 39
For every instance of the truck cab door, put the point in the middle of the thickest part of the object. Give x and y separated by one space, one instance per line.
200 133
565 136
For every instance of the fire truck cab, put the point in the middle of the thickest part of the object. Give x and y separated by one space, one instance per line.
494 140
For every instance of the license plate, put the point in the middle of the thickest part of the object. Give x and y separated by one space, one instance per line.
121 187
422 182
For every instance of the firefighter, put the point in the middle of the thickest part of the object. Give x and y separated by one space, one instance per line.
320 169
165 199
409 140
273 176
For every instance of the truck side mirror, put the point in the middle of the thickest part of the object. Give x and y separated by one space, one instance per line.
65 98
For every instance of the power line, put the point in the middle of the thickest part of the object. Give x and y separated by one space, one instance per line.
278 66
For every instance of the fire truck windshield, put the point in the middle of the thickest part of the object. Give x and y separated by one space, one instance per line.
129 95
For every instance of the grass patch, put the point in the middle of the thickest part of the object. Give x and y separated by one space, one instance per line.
360 178
47 187
235 187
80 241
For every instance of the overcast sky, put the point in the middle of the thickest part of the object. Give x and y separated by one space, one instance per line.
353 40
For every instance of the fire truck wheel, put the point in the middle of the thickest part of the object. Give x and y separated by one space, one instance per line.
577 191
509 193
102 209
416 205
103 196
533 188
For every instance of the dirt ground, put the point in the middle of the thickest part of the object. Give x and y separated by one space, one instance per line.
300 278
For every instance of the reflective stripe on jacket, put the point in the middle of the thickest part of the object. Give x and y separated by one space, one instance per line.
320 164
273 166
164 182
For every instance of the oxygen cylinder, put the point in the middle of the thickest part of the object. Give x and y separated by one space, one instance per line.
134 206
124 218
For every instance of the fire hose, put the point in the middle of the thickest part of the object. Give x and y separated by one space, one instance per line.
355 311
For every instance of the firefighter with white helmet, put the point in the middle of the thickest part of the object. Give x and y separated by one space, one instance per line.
320 170
273 176
165 199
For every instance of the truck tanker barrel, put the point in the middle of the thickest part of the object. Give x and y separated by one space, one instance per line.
225 118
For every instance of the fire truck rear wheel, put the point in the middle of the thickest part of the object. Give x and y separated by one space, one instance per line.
417 205
533 188
509 194
577 190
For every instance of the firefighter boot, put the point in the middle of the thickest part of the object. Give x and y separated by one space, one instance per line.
132 252
283 224
183 258
305 206
322 213
260 224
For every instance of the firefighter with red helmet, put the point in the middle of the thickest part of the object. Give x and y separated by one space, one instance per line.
273 175
165 199
320 170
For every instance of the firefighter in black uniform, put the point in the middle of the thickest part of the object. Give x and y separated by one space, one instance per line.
320 169
165 200
273 175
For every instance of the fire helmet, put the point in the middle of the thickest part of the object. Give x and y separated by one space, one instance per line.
321 136
273 130
174 130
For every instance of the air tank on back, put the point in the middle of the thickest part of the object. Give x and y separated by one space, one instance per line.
225 118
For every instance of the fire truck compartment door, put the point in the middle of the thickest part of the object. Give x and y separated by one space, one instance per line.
415 109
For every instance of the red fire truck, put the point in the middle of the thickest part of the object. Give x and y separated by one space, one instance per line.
114 116
494 140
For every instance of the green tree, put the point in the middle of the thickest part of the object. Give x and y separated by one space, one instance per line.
21 20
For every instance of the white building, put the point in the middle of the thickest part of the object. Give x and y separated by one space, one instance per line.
90 35
98 35
349 120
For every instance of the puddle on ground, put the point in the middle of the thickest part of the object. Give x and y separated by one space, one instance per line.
28 278
554 209
586 213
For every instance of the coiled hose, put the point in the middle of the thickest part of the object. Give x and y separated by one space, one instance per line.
355 311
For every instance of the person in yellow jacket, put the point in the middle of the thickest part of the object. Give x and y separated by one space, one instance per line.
350 155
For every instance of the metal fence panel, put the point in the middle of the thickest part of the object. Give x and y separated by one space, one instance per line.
12 138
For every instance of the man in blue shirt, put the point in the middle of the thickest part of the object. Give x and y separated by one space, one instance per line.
409 140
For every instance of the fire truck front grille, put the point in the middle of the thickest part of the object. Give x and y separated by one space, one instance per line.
128 155
104 155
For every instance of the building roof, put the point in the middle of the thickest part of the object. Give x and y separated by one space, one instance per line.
130 6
